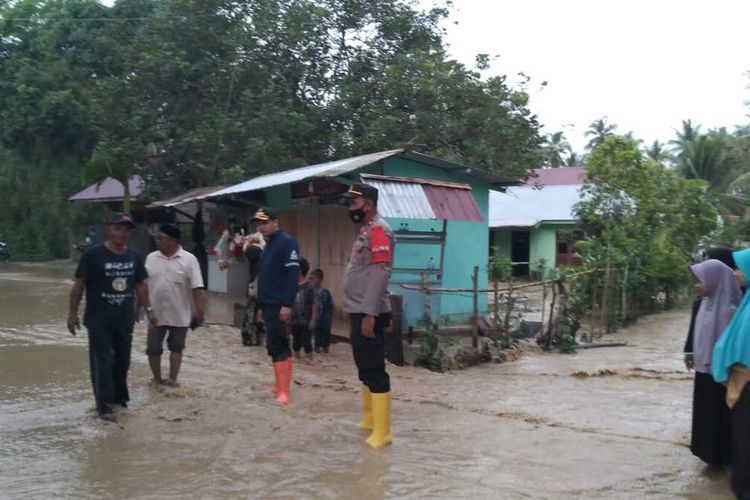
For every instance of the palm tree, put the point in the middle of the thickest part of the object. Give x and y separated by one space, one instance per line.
688 134
599 130
658 152
705 157
555 147
575 160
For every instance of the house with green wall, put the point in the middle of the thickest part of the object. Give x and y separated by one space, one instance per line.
533 225
439 211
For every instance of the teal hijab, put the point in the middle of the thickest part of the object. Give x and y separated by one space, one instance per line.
734 344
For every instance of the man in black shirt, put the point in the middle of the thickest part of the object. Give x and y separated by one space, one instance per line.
112 274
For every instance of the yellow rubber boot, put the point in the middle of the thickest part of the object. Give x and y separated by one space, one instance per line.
381 419
366 422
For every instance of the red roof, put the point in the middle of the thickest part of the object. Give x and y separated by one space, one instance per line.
452 203
563 176
109 190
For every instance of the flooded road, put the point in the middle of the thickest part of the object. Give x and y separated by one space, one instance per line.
604 423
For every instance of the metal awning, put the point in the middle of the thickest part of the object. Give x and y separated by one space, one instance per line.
407 198
186 197
109 190
341 167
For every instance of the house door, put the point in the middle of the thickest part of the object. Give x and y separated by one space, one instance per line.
520 245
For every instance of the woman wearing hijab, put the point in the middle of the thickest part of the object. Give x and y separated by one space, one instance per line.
729 365
724 255
711 432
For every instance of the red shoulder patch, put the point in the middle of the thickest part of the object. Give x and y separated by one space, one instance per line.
380 244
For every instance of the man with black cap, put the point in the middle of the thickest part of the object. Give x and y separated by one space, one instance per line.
174 278
277 290
365 298
111 274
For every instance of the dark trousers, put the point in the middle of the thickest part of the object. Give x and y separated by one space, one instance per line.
741 445
109 361
277 339
323 334
711 438
301 337
369 353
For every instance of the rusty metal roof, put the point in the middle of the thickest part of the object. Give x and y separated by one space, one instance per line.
408 198
109 190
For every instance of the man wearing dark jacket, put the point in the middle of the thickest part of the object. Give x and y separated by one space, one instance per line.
277 290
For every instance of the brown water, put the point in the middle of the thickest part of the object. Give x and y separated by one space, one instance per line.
604 423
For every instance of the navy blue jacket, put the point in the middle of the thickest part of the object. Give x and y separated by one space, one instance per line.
278 272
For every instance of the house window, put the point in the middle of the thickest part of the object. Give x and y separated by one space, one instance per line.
562 247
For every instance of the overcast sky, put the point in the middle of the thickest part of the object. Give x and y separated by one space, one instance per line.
645 64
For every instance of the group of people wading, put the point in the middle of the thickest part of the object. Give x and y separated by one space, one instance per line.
168 288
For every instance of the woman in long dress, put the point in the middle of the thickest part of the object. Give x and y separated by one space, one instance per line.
730 365
721 295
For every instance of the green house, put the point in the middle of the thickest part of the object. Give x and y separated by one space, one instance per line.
438 209
534 225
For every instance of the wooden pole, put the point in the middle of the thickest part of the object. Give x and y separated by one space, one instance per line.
475 315
427 315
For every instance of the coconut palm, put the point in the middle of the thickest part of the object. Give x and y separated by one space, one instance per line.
574 159
599 130
658 152
555 148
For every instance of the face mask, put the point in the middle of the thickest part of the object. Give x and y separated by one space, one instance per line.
357 215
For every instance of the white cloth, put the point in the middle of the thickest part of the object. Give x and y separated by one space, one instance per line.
170 284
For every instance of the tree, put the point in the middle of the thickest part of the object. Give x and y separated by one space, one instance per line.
190 93
641 217
599 130
555 149
658 152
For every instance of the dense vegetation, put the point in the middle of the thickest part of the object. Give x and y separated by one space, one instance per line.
198 92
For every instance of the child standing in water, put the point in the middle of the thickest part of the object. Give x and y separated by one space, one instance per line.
323 312
303 313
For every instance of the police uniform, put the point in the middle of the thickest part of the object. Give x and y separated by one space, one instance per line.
365 293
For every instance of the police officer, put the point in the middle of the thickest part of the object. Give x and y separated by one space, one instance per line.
277 289
365 298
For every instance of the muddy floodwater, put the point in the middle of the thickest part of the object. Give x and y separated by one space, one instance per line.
604 423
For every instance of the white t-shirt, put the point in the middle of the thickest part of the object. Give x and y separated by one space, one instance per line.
170 284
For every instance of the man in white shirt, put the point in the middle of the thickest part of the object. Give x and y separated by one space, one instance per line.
174 277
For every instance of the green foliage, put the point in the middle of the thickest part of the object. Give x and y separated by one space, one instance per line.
643 222
430 353
199 92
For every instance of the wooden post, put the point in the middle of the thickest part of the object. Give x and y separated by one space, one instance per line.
475 315
427 314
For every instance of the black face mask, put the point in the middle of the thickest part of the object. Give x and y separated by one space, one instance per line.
357 215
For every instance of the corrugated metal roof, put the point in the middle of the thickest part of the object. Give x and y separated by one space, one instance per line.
406 200
186 197
109 190
330 169
528 206
341 167
452 203
561 176
424 199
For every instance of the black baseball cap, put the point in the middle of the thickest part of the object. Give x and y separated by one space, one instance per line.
364 190
266 214
121 218
171 230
